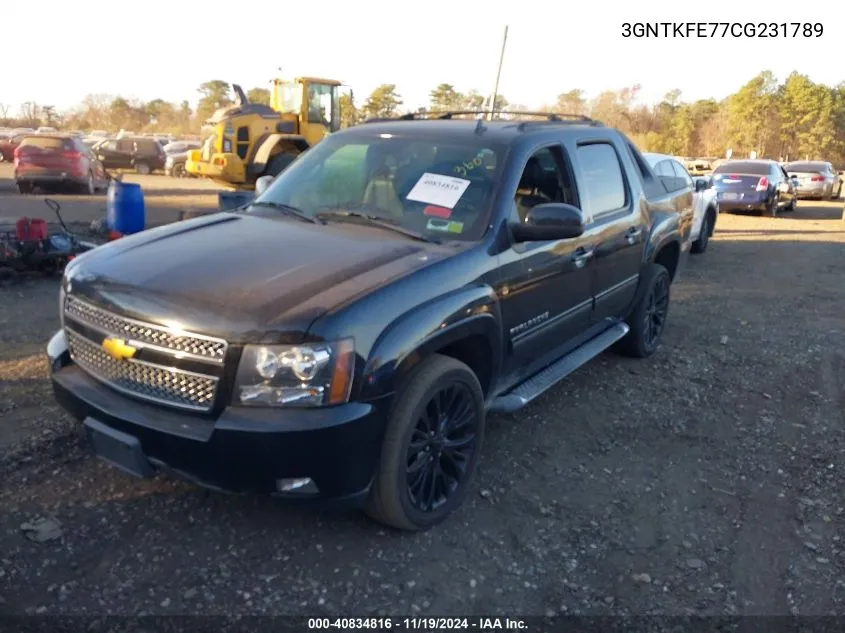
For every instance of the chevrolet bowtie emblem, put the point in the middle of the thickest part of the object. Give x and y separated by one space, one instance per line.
118 348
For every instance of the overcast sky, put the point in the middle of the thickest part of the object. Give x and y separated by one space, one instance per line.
165 48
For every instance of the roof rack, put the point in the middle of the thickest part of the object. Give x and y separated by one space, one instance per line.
556 117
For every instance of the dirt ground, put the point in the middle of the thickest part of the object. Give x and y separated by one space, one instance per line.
706 480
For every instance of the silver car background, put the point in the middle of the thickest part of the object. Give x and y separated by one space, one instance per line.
816 179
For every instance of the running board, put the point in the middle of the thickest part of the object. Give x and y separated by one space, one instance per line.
526 391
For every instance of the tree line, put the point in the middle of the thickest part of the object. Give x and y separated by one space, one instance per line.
793 119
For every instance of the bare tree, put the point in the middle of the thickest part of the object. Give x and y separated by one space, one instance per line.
29 113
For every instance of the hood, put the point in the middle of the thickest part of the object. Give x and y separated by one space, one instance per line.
245 277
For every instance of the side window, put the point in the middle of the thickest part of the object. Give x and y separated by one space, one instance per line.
664 168
544 179
109 146
243 142
320 104
126 145
683 174
604 183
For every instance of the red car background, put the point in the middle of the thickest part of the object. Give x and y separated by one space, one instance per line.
57 160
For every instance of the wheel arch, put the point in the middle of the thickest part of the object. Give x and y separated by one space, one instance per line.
463 325
264 146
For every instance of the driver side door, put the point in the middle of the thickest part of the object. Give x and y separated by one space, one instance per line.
545 293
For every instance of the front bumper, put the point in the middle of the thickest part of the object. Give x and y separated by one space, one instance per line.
241 450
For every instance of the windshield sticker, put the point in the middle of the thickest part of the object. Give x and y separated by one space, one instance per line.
438 190
445 226
437 212
468 166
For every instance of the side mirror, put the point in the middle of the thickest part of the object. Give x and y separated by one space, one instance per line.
700 185
262 184
550 221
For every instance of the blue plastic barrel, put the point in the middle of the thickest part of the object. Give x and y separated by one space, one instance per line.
125 211
232 199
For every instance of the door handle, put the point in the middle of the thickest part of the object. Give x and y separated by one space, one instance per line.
581 257
632 234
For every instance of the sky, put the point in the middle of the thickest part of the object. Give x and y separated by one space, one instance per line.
137 50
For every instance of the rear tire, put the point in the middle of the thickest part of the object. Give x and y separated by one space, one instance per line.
772 208
278 163
648 319
431 446
178 170
791 206
143 169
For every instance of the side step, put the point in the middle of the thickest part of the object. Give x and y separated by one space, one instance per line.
526 391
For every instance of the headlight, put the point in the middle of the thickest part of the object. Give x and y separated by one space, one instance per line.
309 375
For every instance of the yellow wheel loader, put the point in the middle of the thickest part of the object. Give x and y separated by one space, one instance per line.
247 140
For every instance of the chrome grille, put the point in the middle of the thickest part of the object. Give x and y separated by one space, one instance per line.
152 382
195 345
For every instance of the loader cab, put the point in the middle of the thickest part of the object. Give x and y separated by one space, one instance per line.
313 103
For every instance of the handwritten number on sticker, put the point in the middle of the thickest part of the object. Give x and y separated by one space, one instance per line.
468 166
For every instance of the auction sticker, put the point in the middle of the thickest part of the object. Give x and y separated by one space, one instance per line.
439 190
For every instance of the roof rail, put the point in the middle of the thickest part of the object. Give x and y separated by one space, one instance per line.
556 117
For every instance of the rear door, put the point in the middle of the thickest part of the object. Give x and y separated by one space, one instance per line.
616 223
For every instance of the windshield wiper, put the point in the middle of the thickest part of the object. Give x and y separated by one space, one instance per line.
374 220
287 210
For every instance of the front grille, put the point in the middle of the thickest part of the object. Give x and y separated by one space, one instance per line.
200 347
151 382
155 382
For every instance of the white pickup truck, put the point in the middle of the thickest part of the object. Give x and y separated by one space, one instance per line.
706 206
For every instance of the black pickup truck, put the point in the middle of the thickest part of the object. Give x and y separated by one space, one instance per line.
343 338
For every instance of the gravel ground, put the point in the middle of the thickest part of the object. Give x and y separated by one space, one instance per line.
706 480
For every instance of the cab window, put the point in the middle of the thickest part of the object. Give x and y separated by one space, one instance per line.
604 184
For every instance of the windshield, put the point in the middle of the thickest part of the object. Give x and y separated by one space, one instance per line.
439 188
287 97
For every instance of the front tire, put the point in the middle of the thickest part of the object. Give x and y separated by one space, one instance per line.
700 245
89 187
431 447
648 319
143 169
178 171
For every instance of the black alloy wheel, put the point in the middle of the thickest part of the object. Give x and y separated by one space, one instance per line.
431 446
441 447
657 308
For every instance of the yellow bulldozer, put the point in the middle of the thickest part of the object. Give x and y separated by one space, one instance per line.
248 140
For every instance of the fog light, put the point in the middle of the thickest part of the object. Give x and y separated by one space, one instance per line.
302 485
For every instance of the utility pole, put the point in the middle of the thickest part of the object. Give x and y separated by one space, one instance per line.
498 75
